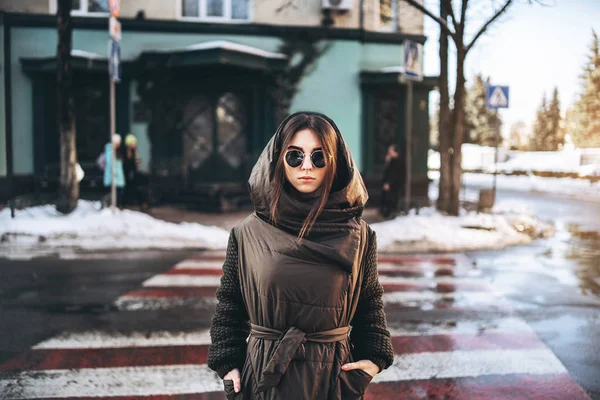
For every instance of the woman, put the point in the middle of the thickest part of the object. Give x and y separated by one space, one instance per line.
298 272
119 175
394 175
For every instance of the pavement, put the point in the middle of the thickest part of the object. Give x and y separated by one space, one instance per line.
455 336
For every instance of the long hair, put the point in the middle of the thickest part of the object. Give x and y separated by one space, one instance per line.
326 133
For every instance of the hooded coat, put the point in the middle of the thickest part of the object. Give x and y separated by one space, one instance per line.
298 298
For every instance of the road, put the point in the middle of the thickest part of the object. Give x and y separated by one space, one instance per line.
518 323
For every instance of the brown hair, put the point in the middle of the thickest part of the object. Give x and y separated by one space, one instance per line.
329 139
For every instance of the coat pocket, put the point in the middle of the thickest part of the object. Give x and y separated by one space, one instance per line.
229 390
354 383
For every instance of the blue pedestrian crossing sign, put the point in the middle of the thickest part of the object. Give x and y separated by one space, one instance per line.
497 97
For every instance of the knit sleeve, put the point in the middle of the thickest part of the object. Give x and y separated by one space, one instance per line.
230 327
369 336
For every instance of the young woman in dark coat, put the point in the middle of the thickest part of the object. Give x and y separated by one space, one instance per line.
300 312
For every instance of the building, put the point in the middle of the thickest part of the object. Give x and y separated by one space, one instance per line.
204 84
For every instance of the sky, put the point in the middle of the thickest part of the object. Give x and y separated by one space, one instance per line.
532 49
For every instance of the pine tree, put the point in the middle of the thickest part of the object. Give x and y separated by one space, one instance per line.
540 127
584 117
554 135
481 123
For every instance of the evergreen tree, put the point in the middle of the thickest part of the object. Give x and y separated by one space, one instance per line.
548 133
540 127
481 123
555 135
584 117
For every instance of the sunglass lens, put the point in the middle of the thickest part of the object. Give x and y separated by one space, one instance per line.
294 158
318 159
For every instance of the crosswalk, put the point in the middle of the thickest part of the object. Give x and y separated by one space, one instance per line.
454 337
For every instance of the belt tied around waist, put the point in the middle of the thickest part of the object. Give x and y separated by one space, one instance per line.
289 342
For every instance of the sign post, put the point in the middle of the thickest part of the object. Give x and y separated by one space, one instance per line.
114 74
413 71
497 97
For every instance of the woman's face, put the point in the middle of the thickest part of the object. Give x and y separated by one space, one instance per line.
305 178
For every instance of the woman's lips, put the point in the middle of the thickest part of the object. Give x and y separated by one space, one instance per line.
307 178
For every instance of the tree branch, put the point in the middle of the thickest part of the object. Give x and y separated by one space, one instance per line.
463 13
488 23
443 24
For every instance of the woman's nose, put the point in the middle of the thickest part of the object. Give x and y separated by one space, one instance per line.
306 163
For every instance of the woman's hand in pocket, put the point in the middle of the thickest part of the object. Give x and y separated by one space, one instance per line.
234 375
366 365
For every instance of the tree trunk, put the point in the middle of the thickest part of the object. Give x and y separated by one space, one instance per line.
444 126
459 129
69 187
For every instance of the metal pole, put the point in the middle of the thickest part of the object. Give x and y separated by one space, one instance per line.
8 116
408 141
497 140
113 186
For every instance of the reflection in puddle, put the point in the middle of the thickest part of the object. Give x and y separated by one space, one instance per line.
584 249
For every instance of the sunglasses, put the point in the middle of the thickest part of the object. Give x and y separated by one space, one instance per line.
295 158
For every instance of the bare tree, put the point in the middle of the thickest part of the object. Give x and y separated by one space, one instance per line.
452 122
69 186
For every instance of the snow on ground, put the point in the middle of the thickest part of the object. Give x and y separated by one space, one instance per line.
568 187
430 231
40 231
90 228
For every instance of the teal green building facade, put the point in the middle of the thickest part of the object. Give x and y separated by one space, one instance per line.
202 101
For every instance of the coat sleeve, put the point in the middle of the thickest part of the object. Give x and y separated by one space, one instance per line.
230 327
369 336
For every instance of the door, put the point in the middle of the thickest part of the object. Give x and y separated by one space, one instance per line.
215 138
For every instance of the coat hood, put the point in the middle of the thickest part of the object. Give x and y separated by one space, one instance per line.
346 200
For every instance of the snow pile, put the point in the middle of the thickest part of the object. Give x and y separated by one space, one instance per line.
90 228
547 161
580 189
431 231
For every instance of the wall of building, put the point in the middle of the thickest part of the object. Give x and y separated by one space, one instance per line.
332 86
271 12
26 6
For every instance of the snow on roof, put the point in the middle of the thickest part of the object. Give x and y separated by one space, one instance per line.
395 68
225 44
86 54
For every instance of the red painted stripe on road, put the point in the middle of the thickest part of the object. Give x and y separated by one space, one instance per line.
416 272
194 271
207 257
514 387
173 291
415 260
44 359
455 342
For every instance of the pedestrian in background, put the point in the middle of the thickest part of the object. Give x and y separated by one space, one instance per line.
119 175
131 162
394 176
298 273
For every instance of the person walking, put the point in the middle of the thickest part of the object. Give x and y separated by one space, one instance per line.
394 176
119 174
300 311
131 161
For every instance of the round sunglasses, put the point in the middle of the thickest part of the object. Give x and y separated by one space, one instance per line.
294 158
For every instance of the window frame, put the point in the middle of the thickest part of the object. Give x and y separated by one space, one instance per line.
394 24
82 11
226 18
